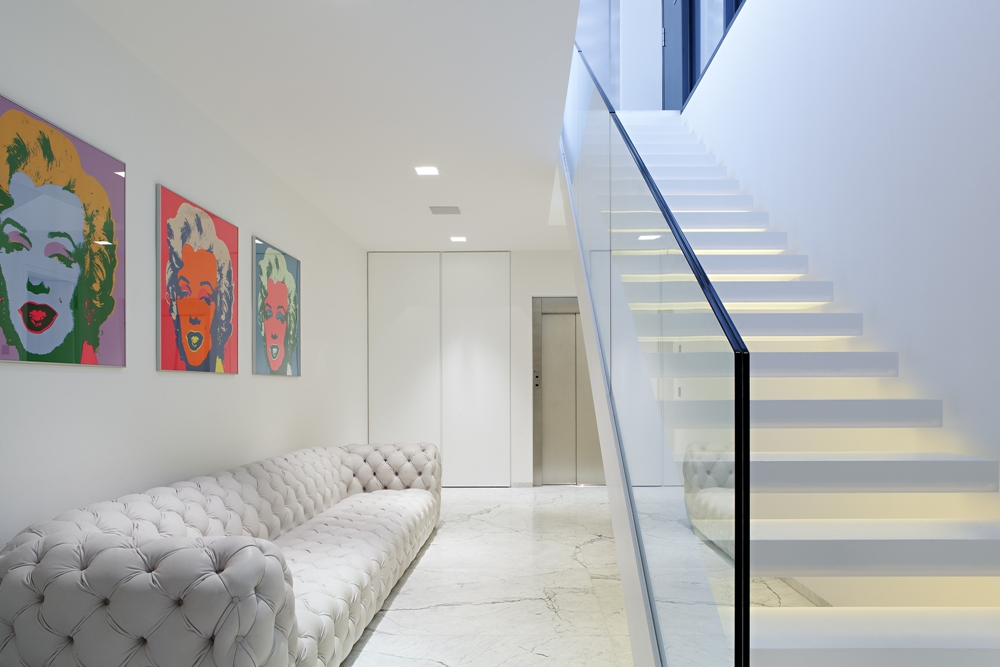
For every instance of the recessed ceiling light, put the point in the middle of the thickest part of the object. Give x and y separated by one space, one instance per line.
650 237
427 171
121 173
458 239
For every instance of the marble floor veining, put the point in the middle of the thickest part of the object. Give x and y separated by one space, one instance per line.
512 577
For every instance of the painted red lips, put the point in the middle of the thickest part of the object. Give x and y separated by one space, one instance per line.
37 317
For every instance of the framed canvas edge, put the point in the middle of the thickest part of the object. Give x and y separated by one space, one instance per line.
253 307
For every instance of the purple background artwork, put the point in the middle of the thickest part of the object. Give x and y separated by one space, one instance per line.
102 167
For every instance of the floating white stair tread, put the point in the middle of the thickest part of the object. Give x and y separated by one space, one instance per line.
875 636
775 364
654 149
867 472
874 547
636 185
690 186
692 221
726 243
693 172
679 203
644 138
750 325
781 291
642 200
809 413
749 265
666 160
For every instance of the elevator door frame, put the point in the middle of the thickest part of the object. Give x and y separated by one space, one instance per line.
544 306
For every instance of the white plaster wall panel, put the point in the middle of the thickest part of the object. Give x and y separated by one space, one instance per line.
404 347
475 362
76 435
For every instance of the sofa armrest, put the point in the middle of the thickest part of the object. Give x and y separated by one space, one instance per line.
395 466
96 599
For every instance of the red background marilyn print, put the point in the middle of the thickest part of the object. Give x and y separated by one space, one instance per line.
170 357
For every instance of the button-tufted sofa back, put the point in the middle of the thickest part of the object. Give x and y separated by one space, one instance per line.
262 499
708 465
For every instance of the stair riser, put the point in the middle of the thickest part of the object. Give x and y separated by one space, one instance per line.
842 558
875 657
873 477
873 413
718 242
748 292
714 264
693 221
775 364
650 325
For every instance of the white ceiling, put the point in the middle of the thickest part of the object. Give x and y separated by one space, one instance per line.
345 97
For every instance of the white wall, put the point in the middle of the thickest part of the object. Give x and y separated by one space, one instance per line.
531 274
74 435
869 131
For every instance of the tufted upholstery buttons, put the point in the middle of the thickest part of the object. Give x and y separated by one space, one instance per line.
709 492
290 558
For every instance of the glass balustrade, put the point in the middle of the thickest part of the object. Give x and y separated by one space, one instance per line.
676 372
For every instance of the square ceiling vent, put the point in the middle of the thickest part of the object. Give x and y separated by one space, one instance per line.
445 210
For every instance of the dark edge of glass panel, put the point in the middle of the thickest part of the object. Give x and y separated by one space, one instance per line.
741 397
648 600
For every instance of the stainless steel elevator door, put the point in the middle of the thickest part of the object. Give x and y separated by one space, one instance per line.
559 399
567 448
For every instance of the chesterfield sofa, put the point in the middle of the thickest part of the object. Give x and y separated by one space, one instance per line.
279 563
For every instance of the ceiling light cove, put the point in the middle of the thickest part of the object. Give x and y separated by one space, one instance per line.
458 239
427 171
649 237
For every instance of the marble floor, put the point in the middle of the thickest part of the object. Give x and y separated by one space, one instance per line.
529 578
513 577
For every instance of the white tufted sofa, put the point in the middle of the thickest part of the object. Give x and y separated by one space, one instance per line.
282 562
710 493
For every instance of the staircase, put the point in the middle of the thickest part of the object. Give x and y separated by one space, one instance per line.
863 502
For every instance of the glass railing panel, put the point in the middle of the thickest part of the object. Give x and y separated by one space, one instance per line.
587 126
672 377
676 372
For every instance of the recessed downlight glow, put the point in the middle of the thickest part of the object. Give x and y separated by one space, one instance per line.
427 171
458 239
649 237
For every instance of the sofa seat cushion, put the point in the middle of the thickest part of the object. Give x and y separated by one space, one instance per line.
345 562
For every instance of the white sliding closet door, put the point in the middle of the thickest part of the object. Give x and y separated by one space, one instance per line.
404 347
475 368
